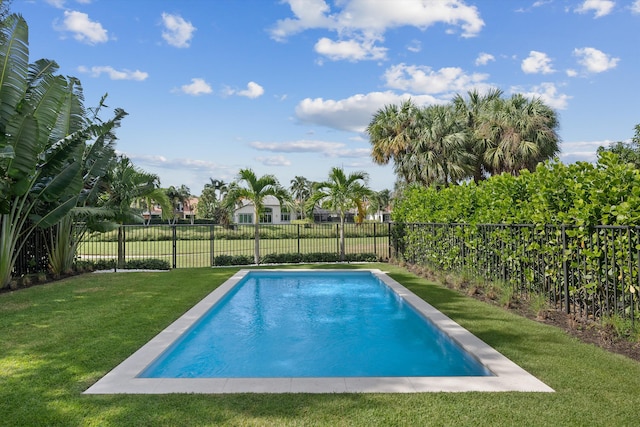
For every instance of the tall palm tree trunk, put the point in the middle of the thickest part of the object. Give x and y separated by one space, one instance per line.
120 247
341 238
256 238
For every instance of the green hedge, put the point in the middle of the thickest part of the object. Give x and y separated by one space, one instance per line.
133 264
293 258
580 194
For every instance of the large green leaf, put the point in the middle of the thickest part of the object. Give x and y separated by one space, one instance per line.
14 63
66 181
69 113
23 134
54 215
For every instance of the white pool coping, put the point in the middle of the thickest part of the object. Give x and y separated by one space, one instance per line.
507 375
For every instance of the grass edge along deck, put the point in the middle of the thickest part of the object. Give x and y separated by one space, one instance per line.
507 375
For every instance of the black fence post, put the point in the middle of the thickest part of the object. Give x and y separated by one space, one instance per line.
174 245
390 240
124 246
298 225
375 246
565 268
212 246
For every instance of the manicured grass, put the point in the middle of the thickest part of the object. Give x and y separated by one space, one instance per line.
58 339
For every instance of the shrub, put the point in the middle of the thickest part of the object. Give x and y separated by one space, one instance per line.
232 260
133 264
147 264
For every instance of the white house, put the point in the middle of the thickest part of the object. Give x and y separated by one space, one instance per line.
272 214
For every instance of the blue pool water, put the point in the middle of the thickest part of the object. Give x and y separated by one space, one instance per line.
312 324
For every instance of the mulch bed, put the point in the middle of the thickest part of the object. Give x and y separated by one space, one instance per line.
586 330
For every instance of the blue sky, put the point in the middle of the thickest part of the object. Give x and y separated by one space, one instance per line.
287 87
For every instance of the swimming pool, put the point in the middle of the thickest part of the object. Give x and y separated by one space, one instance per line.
313 324
152 369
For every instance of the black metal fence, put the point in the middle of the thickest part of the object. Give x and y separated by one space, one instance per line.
186 245
590 271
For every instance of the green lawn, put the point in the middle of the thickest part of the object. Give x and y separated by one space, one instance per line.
59 338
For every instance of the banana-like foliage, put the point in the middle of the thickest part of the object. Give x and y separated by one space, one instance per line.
43 133
85 215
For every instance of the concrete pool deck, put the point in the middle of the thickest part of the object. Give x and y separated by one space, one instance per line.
507 376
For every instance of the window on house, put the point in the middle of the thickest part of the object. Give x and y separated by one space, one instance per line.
266 216
245 218
285 216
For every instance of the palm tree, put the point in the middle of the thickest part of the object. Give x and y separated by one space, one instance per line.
300 189
379 201
439 155
472 112
520 133
391 131
126 184
179 199
341 193
254 191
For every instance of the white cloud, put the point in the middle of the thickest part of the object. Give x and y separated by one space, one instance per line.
301 146
600 7
594 60
484 58
362 23
537 62
159 160
571 72
424 80
352 114
274 161
376 17
548 93
177 32
253 90
326 148
56 3
196 87
124 74
351 50
585 151
84 30
416 46
635 7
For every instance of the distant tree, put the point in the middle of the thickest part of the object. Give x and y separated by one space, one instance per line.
341 193
211 202
378 201
392 131
471 112
520 133
628 152
301 189
179 198
253 190
125 185
447 144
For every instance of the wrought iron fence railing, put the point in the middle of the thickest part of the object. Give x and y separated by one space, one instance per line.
590 271
186 245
